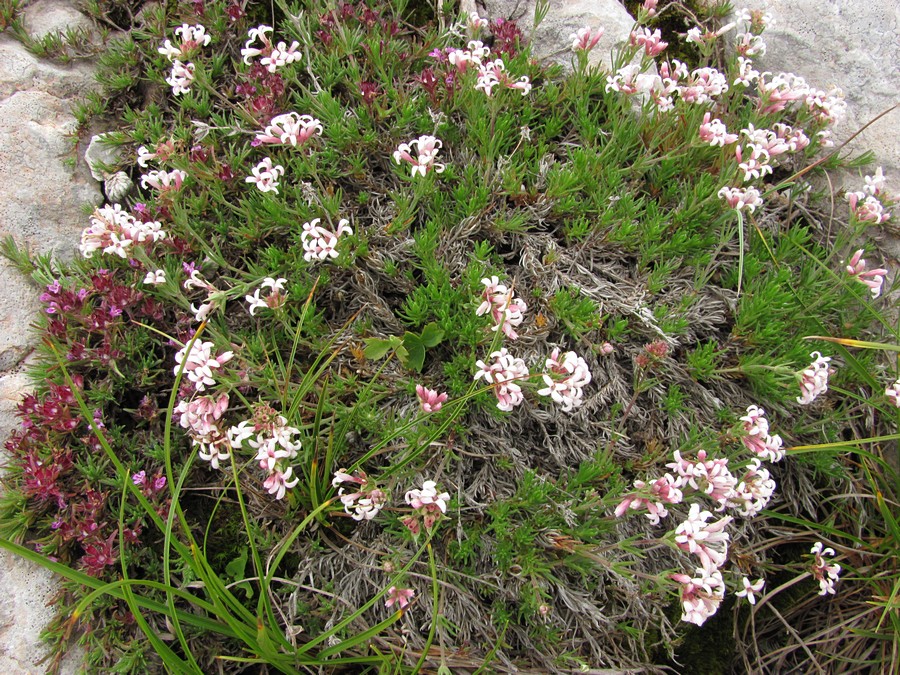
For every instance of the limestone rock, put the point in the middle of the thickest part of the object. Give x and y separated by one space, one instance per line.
22 71
551 42
853 45
102 159
54 16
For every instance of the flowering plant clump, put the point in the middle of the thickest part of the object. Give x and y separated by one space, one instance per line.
547 321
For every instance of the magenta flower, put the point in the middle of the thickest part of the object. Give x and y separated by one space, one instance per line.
429 399
399 596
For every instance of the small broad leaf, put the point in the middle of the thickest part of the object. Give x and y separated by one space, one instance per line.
432 335
416 352
377 348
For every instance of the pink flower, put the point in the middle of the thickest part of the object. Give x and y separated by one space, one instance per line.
661 491
503 374
493 73
507 312
756 436
275 56
427 498
738 198
649 7
430 399
709 542
181 78
320 243
273 300
893 393
827 575
585 39
289 128
701 595
750 589
711 477
192 38
756 165
715 133
874 279
606 349
164 180
279 482
652 42
814 379
200 365
754 491
400 596
427 148
366 502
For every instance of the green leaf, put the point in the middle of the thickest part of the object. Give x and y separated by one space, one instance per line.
415 357
432 335
377 348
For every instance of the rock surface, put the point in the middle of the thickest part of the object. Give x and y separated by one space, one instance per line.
39 208
853 45
551 42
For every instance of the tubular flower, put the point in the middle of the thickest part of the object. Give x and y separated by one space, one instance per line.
711 477
164 180
429 399
427 148
827 575
273 300
585 39
738 198
319 242
265 175
289 128
200 365
756 436
893 393
366 501
814 379
751 589
566 379
503 374
192 38
874 279
113 230
273 56
399 596
709 542
754 491
701 595
506 311
662 491
181 78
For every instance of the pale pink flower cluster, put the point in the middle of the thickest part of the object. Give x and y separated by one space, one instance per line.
708 541
748 44
289 128
755 164
274 442
827 575
660 492
428 503
566 379
493 73
702 85
399 596
162 152
714 132
164 180
273 56
756 436
474 23
265 176
700 595
503 373
709 476
427 148
585 39
746 73
475 55
320 243
200 417
429 399
814 379
873 279
115 231
192 39
737 198
650 41
758 20
273 300
155 278
752 494
625 80
506 311
893 393
868 205
366 500
200 366
181 78
750 589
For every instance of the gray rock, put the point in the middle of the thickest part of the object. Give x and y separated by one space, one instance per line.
551 41
102 159
853 45
22 71
54 16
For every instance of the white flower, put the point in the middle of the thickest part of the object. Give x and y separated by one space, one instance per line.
428 498
155 278
750 589
893 393
827 575
503 374
814 379
320 243
566 379
700 595
265 176
273 300
199 365
427 148
181 77
709 542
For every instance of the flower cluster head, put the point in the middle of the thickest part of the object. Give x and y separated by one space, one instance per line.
756 436
289 128
868 205
753 160
753 492
493 73
275 299
200 366
181 78
827 575
265 175
748 44
714 132
709 476
750 589
200 417
737 198
585 39
155 278
474 56
113 230
366 500
651 41
652 497
161 153
164 180
427 148
399 596
503 373
893 393
566 379
273 56
746 73
700 595
708 541
814 379
429 399
274 441
319 242
192 39
429 503
506 311
474 23
874 279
